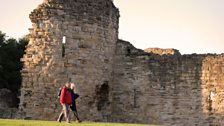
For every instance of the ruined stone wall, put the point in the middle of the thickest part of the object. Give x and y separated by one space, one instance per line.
167 89
212 78
90 28
7 104
116 81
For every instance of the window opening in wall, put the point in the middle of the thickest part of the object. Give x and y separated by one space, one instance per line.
63 46
210 100
128 52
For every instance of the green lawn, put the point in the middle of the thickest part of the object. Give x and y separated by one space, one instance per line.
11 122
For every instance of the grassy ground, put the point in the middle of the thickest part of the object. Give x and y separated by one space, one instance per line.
10 122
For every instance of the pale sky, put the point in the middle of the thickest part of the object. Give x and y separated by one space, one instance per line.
191 26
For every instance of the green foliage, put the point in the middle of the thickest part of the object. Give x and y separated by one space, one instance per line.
2 38
7 122
11 51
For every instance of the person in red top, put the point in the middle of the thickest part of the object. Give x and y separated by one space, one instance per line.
66 101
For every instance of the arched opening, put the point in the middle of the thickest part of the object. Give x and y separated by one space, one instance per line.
102 93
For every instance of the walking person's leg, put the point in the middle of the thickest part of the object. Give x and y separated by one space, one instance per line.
66 113
76 116
61 115
74 110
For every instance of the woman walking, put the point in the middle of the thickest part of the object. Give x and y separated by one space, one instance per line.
73 106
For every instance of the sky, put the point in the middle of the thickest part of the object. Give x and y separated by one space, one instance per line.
190 26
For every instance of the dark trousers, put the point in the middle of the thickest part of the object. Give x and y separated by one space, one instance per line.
76 115
74 111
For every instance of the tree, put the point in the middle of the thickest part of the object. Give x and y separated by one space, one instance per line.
2 38
11 51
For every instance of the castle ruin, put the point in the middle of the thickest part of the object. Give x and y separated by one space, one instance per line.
78 39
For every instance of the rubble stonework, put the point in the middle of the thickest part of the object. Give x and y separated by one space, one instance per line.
162 51
181 90
90 31
8 103
116 81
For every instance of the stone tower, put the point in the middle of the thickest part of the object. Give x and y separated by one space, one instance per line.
78 39
70 39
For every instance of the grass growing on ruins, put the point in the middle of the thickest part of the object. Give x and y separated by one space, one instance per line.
11 122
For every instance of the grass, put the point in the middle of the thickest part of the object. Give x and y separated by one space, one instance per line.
11 122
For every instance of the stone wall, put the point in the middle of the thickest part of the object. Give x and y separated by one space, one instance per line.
8 103
90 31
116 81
167 89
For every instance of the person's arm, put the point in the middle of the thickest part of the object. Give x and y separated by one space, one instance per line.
62 97
59 92
76 95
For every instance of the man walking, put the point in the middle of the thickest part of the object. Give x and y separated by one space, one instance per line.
66 101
